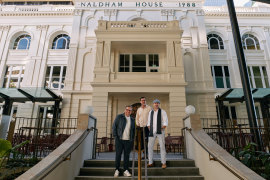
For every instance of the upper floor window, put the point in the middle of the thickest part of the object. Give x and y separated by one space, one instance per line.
22 42
55 77
258 77
139 63
13 76
221 76
61 42
250 42
214 41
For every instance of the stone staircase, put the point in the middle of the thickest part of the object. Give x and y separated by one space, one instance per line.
176 170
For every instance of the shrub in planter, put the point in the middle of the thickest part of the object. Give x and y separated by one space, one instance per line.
13 163
258 161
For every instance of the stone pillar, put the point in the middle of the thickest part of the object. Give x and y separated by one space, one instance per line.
37 58
178 54
73 48
100 104
170 54
266 44
4 47
82 121
66 105
177 110
99 54
107 54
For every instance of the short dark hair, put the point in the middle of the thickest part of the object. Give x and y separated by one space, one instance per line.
142 98
129 106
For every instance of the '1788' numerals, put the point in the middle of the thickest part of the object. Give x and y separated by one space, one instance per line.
187 5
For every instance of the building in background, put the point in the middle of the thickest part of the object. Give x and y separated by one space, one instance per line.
107 54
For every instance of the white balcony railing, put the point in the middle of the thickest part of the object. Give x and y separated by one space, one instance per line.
43 8
138 25
224 9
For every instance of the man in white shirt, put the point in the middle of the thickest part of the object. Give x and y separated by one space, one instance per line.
141 121
157 122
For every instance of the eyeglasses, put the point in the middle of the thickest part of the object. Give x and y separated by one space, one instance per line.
128 109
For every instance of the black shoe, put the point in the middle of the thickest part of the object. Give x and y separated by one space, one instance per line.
144 157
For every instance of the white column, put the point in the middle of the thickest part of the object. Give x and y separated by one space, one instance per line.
231 54
266 44
73 48
177 105
170 54
4 47
100 104
37 74
107 54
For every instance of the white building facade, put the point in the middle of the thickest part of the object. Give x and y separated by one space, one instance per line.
107 54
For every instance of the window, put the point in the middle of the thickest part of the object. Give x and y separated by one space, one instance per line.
55 77
124 63
139 63
13 76
214 41
250 42
221 76
258 77
61 42
22 42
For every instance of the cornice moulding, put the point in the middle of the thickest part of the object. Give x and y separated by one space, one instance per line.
36 14
239 14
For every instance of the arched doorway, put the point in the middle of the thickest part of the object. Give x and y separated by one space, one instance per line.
135 107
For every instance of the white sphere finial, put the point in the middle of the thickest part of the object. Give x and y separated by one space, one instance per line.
88 110
190 110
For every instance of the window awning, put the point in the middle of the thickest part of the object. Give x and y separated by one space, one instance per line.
237 95
34 94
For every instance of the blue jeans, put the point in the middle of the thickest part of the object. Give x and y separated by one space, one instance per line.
120 146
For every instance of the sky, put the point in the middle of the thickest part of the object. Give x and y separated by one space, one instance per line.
224 2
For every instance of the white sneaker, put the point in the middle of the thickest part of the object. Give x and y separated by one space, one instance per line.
127 174
116 173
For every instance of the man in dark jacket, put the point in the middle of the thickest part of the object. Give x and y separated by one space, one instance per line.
123 132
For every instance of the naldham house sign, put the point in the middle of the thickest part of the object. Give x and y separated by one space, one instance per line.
138 4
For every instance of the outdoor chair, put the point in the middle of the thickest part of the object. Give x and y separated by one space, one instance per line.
177 143
102 145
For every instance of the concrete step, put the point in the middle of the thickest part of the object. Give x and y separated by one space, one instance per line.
111 163
149 177
154 171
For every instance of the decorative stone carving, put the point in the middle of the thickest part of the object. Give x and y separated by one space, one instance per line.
167 12
229 28
139 12
200 12
110 12
42 27
77 12
4 28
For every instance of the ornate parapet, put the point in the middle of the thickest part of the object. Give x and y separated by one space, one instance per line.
138 25
241 11
35 10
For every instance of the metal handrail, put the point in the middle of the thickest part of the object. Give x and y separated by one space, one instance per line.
213 156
